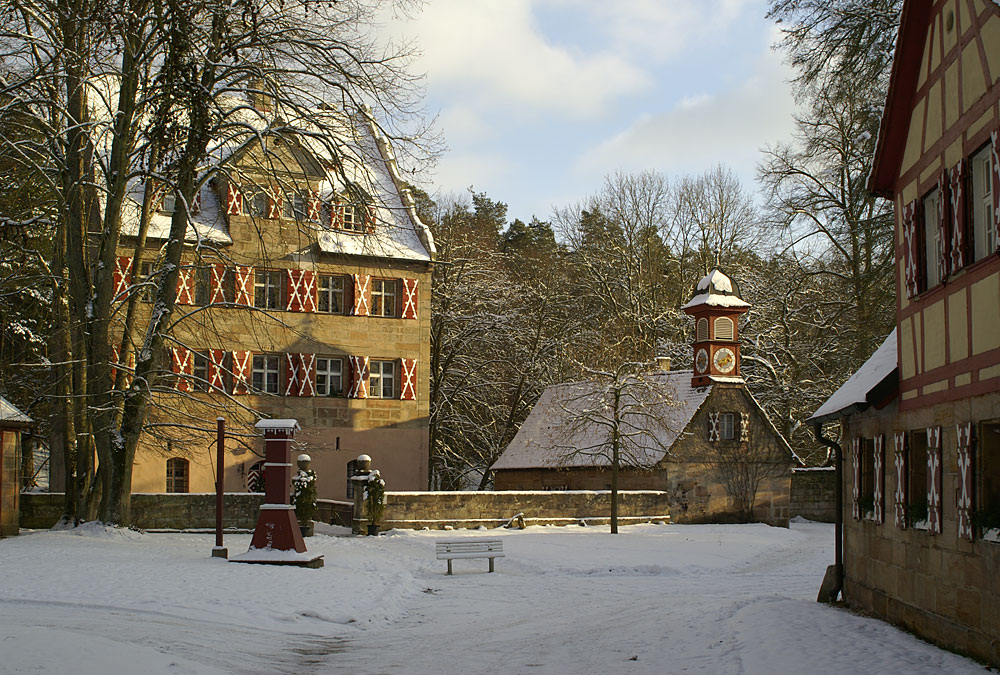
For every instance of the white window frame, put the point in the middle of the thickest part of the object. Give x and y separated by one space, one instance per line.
382 379
727 426
169 203
327 375
269 283
266 374
383 290
149 286
327 292
259 202
352 217
983 233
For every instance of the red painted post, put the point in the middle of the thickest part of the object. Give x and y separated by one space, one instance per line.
220 453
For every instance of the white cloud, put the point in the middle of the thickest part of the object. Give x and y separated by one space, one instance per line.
493 51
456 171
700 131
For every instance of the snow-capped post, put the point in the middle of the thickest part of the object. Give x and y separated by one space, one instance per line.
304 495
220 449
362 468
277 539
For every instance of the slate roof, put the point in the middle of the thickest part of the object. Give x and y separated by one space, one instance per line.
11 416
547 437
869 385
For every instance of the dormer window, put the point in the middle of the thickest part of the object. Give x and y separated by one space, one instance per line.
353 218
169 203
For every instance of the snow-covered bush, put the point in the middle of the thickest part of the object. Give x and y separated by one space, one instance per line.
375 497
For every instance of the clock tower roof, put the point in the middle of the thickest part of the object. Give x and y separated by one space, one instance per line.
716 290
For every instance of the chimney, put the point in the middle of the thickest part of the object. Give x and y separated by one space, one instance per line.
663 362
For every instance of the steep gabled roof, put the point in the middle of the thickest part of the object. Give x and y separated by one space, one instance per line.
913 25
546 434
874 383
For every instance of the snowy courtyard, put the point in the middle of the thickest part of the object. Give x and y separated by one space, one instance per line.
653 599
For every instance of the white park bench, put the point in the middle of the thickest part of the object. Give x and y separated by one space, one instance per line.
451 549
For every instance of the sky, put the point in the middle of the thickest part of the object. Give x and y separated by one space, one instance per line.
539 100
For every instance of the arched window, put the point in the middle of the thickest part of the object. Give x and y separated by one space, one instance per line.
702 330
723 328
255 478
177 475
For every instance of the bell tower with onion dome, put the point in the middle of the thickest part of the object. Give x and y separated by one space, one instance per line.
716 308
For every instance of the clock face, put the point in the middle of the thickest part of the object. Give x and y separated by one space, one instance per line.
701 361
725 360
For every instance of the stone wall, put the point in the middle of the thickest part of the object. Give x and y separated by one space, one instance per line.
814 494
415 510
41 510
10 482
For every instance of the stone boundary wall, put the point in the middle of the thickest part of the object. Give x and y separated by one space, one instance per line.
814 494
41 510
404 510
436 510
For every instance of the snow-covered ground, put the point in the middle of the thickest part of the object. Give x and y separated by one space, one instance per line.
653 599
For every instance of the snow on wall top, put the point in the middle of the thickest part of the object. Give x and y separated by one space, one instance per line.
547 436
716 290
853 394
9 414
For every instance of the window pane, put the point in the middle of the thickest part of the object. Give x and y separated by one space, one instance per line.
932 238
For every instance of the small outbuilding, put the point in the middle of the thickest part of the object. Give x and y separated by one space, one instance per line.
710 445
12 423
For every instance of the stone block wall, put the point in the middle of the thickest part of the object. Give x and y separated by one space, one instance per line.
813 494
42 510
415 510
10 482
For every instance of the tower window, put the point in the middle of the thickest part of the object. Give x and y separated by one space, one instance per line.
701 333
723 328
727 426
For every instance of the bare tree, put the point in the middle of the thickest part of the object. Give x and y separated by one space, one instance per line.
614 418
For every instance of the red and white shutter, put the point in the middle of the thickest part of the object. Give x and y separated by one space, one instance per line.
744 427
362 295
943 227
242 371
122 277
713 426
408 389
307 374
336 215
301 291
315 206
965 482
293 374
234 200
218 284
995 157
934 480
856 473
274 203
879 466
217 369
901 475
196 201
244 286
359 376
957 198
910 258
182 364
369 216
185 287
409 298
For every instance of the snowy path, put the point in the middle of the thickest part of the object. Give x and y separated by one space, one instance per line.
695 599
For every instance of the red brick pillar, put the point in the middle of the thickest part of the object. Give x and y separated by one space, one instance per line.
277 527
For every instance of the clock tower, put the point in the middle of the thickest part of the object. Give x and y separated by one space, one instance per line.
716 308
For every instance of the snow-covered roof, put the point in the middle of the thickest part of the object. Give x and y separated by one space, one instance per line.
11 416
859 391
208 225
547 436
716 290
277 424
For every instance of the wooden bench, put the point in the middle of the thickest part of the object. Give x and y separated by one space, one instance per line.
469 548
